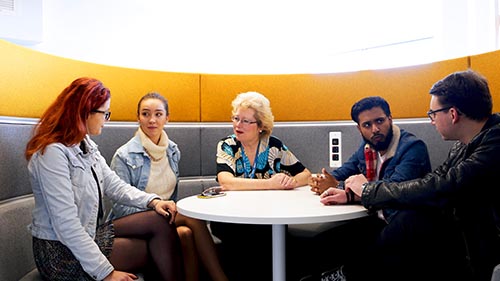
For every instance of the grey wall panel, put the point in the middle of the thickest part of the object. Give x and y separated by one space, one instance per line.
15 240
310 142
211 134
198 142
187 138
13 166
112 137
437 147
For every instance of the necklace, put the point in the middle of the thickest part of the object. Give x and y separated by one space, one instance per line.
245 160
151 156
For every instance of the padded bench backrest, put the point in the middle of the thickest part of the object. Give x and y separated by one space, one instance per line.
16 253
309 141
198 141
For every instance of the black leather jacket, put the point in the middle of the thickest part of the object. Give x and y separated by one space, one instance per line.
466 186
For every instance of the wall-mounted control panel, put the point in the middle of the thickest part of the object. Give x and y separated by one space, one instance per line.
334 148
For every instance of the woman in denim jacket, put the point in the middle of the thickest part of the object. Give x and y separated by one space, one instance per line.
69 177
150 162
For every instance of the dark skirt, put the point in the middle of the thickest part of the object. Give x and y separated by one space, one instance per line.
56 262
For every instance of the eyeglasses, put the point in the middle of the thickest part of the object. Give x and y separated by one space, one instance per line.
107 114
432 113
245 122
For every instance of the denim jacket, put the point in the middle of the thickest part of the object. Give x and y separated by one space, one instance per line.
67 200
406 158
132 164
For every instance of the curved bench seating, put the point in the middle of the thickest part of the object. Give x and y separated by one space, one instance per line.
197 141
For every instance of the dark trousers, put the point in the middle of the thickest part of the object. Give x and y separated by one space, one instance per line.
415 245
246 250
339 246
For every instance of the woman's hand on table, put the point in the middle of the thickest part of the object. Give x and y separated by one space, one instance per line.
283 181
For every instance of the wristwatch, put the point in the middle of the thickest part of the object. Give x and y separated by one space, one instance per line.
363 187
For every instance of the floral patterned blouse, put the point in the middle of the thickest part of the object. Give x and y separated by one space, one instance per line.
272 157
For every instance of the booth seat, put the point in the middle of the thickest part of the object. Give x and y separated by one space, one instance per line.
197 142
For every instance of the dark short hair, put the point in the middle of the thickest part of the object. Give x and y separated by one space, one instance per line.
467 91
367 104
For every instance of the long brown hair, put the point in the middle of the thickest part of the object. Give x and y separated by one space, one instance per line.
65 120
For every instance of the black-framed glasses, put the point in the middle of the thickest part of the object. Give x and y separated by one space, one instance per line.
432 113
107 114
245 122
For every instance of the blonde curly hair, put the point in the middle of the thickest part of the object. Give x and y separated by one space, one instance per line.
258 102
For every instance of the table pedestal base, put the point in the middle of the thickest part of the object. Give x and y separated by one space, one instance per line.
279 252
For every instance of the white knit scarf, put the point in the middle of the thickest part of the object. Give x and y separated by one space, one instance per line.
161 179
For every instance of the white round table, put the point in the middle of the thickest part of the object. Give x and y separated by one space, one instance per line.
275 207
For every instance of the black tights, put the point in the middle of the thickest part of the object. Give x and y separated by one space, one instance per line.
146 241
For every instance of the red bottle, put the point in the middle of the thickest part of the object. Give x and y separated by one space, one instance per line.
371 163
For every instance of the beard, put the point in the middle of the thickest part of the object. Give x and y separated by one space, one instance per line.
382 145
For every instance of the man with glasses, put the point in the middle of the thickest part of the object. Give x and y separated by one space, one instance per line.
386 153
447 226
432 113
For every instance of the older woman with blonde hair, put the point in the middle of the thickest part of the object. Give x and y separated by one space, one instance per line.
253 159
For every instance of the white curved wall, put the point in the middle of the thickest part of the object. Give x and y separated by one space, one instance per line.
266 36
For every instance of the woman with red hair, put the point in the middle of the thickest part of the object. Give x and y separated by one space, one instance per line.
69 177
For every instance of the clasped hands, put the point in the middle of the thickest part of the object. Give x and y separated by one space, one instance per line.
325 185
283 181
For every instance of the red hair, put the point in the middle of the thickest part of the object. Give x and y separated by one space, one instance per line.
65 120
